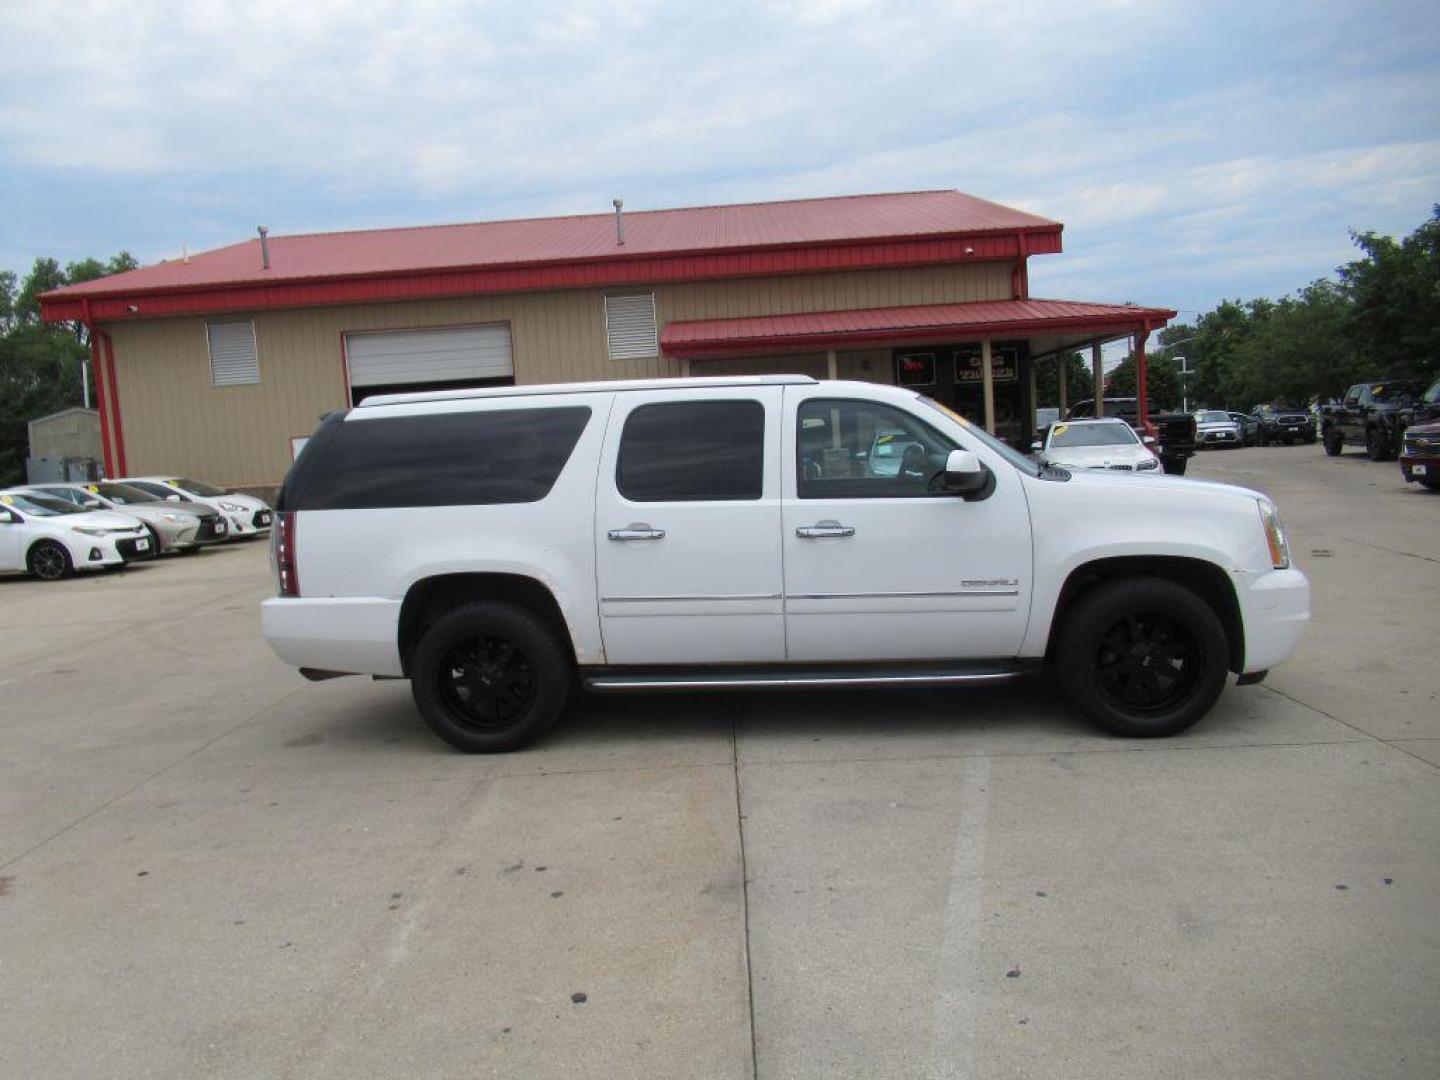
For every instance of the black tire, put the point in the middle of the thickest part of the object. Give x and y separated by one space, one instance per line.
1334 444
1288 440
154 541
1433 485
1264 441
1310 439
1143 657
49 561
1174 466
490 677
1376 445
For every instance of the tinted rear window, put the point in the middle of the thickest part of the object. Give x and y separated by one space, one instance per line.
445 459
692 451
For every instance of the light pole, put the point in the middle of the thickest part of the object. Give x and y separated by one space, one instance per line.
1182 371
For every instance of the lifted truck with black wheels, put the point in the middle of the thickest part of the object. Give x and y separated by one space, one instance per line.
1373 415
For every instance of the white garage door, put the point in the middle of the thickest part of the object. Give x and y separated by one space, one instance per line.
408 357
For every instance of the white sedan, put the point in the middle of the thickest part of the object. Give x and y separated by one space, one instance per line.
51 539
248 516
1096 444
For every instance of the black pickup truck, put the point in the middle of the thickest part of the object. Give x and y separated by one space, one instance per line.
1174 431
1373 415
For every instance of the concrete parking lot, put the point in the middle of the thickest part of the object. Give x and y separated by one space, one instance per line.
209 867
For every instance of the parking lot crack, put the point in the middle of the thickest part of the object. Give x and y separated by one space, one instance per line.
1392 551
744 883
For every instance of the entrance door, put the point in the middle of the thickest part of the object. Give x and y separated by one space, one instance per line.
687 527
878 566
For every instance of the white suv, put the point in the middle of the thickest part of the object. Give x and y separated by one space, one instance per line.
494 545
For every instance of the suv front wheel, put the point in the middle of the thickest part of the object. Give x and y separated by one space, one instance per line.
489 677
1143 657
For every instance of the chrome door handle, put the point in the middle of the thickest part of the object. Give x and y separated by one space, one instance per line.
823 528
638 531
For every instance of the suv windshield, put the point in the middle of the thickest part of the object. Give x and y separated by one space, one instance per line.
1116 434
1392 391
1213 416
40 505
198 487
125 494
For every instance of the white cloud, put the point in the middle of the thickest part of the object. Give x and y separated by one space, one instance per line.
1159 132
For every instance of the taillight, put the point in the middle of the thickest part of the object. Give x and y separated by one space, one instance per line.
285 555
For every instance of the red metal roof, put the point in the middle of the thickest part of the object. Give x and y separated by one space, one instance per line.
827 329
685 244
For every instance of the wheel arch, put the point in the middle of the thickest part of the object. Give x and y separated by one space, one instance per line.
429 598
1205 579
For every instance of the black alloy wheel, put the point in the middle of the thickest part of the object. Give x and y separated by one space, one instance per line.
490 676
49 561
1144 657
487 682
1334 444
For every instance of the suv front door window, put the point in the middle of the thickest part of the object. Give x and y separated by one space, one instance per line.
880 563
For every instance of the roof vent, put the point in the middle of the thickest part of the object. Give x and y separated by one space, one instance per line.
619 205
264 246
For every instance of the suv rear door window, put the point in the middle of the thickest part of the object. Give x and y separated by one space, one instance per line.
476 458
692 451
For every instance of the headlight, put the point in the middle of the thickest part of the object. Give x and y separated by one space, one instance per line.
180 519
1146 466
232 507
1275 535
89 530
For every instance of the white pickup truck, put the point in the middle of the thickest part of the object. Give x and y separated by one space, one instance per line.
499 546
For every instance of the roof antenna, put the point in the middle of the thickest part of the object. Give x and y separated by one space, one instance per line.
185 254
264 246
619 205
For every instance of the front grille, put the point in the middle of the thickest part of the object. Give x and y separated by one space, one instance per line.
1120 468
212 529
261 520
1422 444
1293 420
129 549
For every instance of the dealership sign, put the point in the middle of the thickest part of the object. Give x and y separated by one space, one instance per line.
970 366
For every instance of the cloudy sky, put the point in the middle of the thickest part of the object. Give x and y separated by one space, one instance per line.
1195 151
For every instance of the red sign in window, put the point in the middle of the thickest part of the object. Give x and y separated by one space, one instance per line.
915 369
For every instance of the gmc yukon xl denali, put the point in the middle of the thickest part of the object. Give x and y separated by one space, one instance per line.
502 547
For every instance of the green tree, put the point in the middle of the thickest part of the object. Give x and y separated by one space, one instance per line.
1395 290
1162 384
1078 383
40 362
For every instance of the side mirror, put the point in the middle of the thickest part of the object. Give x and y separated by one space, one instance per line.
965 475
9 517
1036 446
173 498
1148 440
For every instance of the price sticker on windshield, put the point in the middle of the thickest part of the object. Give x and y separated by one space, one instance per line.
7 500
1060 429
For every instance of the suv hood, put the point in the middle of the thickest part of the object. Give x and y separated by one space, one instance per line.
1181 485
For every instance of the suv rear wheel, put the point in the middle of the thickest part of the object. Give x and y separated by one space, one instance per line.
489 677
1334 443
1376 445
1143 657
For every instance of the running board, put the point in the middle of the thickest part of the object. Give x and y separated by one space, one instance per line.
810 678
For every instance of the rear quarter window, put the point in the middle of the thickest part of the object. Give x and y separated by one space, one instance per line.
441 459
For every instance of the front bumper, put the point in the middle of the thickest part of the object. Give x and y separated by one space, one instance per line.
135 548
1218 438
250 524
1417 467
1275 608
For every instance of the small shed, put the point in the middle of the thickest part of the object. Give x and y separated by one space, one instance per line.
64 445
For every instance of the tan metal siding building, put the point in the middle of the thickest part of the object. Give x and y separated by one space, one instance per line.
217 365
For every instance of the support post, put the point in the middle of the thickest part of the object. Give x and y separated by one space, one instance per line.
1031 426
987 375
832 364
1064 362
1099 373
1140 373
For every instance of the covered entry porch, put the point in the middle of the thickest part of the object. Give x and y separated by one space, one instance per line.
980 359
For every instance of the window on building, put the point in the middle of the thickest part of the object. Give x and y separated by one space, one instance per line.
630 332
693 451
865 450
233 361
473 458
